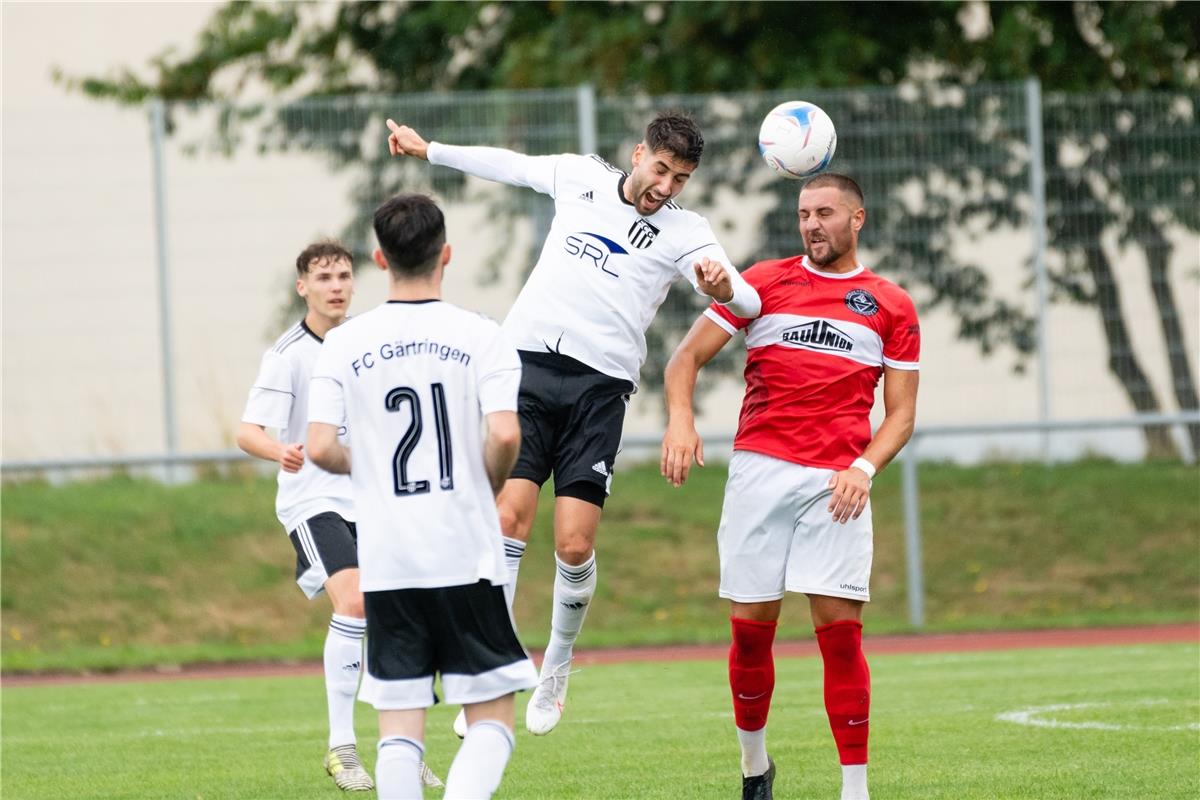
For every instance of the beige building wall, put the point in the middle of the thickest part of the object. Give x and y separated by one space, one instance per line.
81 360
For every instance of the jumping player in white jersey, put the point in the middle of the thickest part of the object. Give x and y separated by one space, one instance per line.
797 513
430 391
314 506
616 245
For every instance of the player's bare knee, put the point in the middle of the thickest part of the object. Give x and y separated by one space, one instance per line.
513 523
352 607
573 551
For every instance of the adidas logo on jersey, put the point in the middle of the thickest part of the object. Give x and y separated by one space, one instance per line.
599 467
586 196
355 667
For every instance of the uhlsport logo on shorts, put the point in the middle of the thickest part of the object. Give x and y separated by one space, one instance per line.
860 301
818 335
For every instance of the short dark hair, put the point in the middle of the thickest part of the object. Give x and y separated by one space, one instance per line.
678 134
326 250
411 231
837 180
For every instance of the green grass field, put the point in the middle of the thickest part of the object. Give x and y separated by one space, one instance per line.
655 730
144 573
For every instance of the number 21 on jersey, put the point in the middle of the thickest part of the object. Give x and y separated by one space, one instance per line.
405 395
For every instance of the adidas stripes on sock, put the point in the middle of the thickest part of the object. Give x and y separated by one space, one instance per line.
513 550
573 590
398 769
480 762
343 666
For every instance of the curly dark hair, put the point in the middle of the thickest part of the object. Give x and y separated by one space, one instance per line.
324 251
677 133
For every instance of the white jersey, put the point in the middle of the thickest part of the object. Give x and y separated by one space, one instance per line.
604 268
279 400
415 379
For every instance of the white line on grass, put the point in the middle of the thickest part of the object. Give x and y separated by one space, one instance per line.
1032 716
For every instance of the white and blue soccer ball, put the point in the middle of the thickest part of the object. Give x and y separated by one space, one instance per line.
797 139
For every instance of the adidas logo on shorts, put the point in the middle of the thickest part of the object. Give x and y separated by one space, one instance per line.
599 467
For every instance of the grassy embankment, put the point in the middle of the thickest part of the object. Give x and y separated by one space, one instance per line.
123 572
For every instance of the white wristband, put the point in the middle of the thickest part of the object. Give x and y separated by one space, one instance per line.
865 466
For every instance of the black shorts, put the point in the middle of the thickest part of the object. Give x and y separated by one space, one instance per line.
571 419
325 544
463 633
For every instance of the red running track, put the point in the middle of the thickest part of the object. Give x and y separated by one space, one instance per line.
873 645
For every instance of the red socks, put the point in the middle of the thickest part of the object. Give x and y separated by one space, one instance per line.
847 688
751 672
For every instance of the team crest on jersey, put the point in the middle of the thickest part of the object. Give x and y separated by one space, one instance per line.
818 335
642 233
860 301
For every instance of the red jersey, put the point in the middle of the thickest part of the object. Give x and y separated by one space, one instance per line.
814 357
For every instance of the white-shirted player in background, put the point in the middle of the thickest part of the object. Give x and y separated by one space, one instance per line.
314 506
615 246
431 393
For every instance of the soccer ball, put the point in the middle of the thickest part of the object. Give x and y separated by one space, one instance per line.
797 139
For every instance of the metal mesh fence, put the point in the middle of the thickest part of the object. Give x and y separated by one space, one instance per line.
949 177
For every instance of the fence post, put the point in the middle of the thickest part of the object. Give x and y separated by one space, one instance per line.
1037 214
158 135
585 101
912 534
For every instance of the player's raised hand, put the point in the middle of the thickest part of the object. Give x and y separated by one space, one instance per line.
681 444
713 279
851 490
292 457
404 141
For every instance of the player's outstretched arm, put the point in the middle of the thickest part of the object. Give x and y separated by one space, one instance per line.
851 487
326 451
501 447
254 440
404 141
681 443
489 163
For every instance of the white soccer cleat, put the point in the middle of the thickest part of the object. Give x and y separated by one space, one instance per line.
460 724
545 708
347 771
429 779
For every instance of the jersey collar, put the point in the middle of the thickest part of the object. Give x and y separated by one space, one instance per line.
837 276
309 331
621 190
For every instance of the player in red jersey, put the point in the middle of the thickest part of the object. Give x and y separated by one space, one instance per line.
797 512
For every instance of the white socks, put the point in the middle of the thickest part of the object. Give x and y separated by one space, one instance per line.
513 550
573 590
754 751
343 666
398 769
480 762
854 782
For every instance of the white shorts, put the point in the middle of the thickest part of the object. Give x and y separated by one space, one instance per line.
777 535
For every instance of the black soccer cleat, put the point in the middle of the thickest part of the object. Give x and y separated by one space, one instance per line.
758 787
